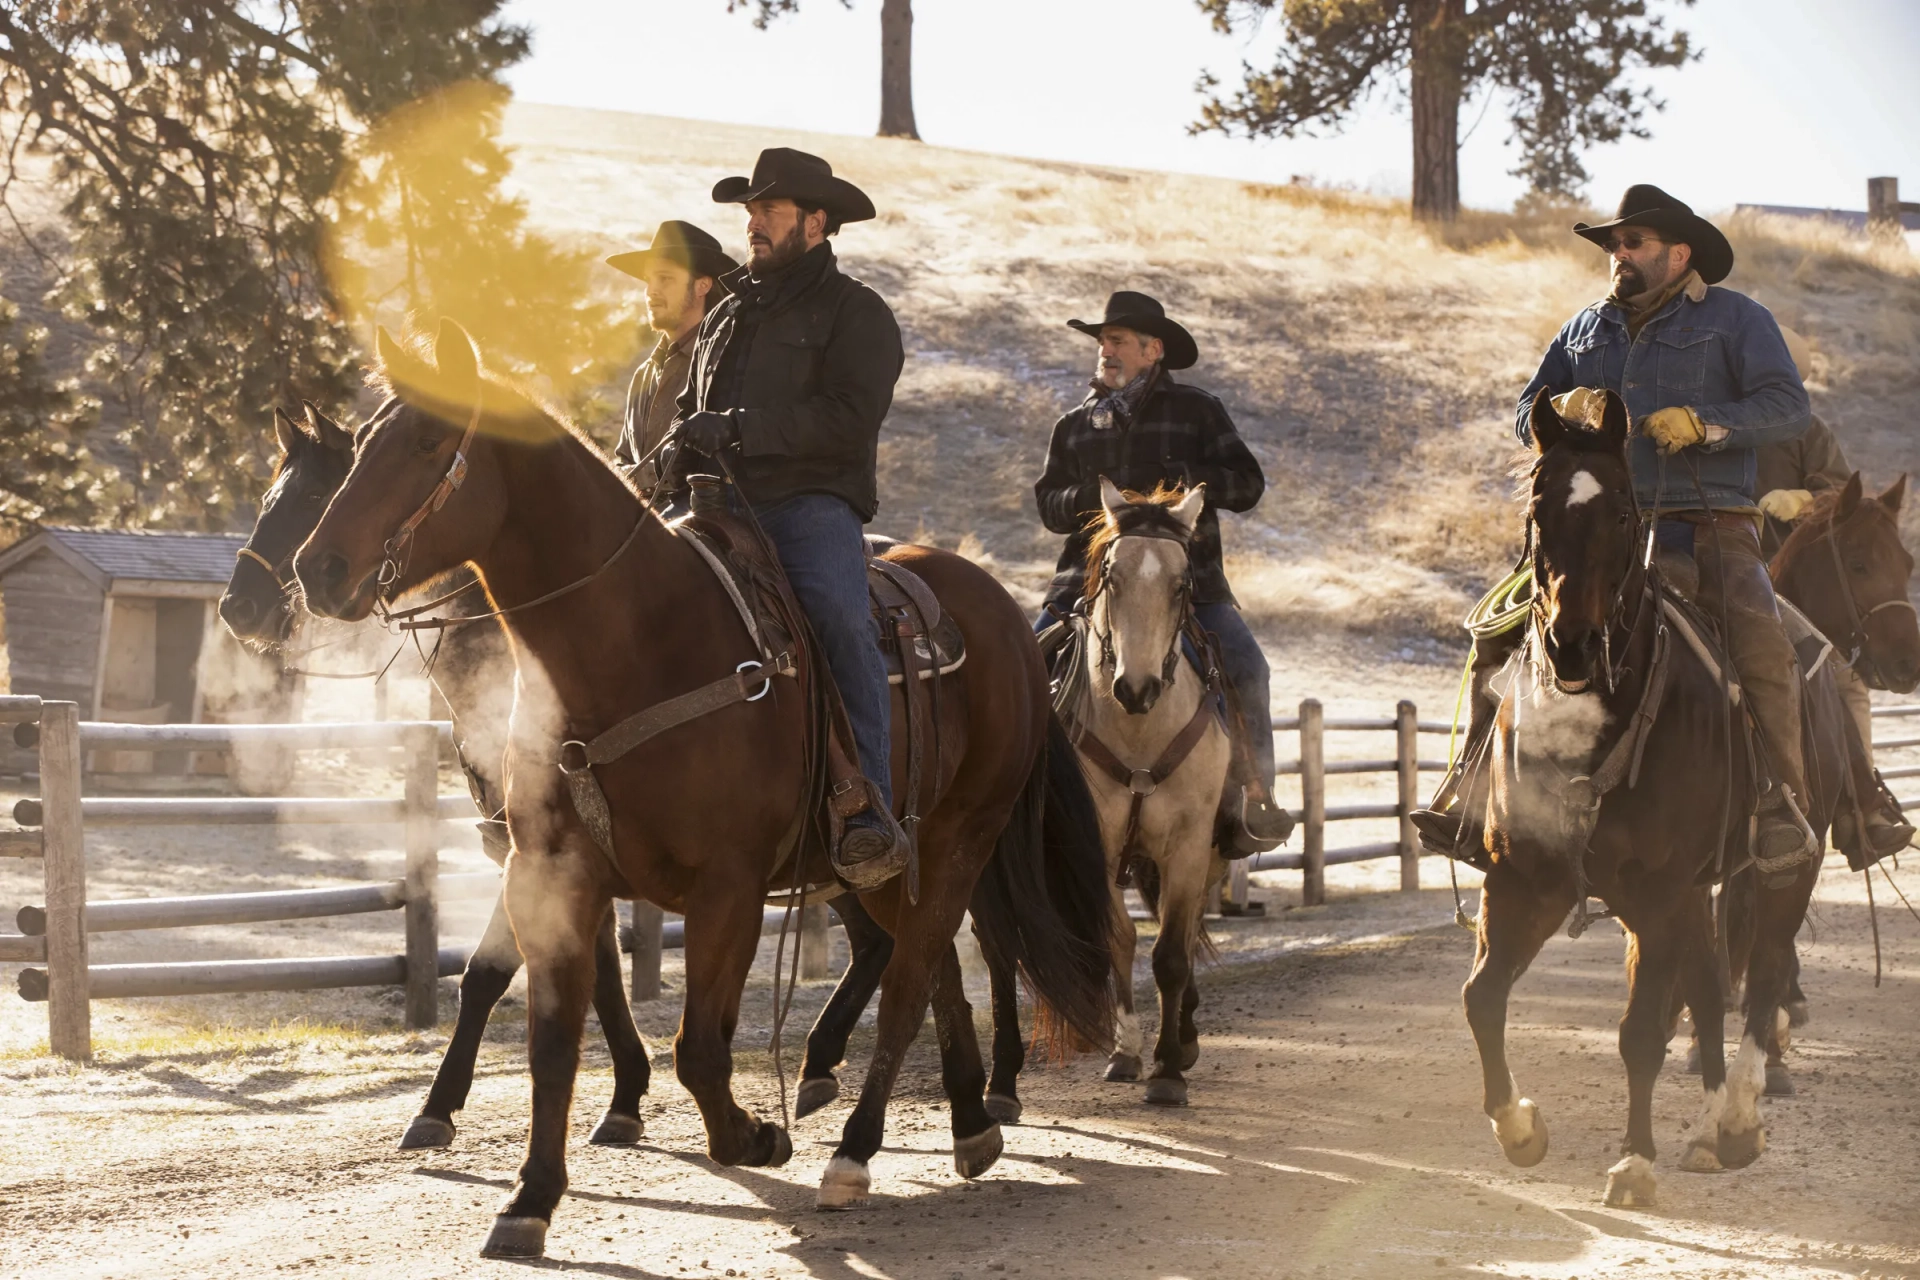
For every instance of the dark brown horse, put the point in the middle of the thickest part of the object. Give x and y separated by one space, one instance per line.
1619 773
611 613
1846 569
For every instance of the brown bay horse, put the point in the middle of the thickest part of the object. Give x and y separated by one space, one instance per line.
609 613
1616 776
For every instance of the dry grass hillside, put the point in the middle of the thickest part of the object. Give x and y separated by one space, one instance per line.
1371 365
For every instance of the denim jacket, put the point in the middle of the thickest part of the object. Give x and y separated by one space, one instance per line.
1714 350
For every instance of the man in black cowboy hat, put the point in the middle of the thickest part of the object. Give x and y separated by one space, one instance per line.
681 269
1139 428
792 376
1705 375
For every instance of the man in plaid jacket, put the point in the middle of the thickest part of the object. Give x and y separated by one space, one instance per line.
1140 428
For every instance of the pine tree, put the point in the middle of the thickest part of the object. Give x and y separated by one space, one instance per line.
1560 64
45 470
896 57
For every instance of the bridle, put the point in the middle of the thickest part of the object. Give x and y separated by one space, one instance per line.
1183 601
400 544
1858 618
1616 610
275 571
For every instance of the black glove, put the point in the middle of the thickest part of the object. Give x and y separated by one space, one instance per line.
708 432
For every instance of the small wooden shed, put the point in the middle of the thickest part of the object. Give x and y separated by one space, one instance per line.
116 621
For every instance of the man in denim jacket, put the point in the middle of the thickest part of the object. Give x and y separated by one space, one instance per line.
1706 376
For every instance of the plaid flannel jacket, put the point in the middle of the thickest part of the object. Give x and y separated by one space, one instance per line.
1180 435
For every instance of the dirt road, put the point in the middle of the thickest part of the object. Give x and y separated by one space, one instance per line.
1335 1131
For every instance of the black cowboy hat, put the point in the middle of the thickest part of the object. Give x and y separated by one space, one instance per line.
1138 312
783 173
1646 205
681 243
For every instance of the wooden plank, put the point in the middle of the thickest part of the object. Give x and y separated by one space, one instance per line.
15 949
335 735
1407 735
163 588
1313 793
423 875
1357 812
217 977
69 1017
228 908
22 844
647 946
23 708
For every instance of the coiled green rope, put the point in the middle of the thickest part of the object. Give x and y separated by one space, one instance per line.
1499 611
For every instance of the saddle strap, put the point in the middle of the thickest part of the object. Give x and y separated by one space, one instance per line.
712 557
912 694
1142 782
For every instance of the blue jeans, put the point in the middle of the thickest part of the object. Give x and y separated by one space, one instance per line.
1247 670
823 549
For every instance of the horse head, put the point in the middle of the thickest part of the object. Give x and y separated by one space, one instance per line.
1845 567
1583 515
1139 587
425 492
315 454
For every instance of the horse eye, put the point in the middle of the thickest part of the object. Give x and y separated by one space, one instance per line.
429 442
315 499
1857 567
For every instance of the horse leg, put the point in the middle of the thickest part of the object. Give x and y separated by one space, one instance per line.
489 972
622 1125
1009 1051
1189 1030
1124 1064
1180 905
1781 906
1653 971
1700 985
723 932
869 947
976 1133
558 920
1515 922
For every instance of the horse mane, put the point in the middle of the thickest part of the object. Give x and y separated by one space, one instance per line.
1145 513
1814 522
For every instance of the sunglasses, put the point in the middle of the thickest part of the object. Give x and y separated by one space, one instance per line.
1631 241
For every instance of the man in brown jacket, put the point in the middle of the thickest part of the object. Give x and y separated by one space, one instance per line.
682 270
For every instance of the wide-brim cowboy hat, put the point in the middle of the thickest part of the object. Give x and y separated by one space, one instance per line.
781 173
1138 312
1646 205
682 244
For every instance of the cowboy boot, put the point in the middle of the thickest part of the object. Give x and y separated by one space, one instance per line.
1250 824
873 850
1888 830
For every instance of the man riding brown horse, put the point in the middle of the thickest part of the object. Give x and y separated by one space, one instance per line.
1707 380
791 378
1141 429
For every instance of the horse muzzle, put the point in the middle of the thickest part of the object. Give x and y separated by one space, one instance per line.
1137 696
326 579
1574 656
248 619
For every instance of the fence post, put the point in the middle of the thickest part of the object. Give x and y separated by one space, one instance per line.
1406 728
1313 804
64 863
1883 206
813 942
1236 900
647 923
422 748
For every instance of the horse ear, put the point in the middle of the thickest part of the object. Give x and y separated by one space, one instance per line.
387 350
1187 510
1614 425
1849 498
1544 424
1896 494
456 356
328 432
1112 501
286 430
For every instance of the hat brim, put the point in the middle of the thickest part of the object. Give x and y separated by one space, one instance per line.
702 262
837 196
1182 350
1712 254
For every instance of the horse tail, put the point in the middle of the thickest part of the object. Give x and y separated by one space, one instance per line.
1042 902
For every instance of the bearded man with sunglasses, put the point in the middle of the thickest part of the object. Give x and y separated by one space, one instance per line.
1707 380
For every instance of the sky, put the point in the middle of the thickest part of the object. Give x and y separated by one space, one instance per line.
1794 102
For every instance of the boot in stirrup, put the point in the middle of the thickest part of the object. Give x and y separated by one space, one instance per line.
1258 826
873 850
1781 840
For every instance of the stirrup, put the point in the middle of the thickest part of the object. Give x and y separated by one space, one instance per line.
1242 841
871 854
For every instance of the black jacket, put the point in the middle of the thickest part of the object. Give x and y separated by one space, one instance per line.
1180 435
805 361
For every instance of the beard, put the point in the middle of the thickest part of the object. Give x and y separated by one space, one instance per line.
669 314
781 252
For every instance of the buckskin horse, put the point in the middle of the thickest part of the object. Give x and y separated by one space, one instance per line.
1148 726
611 616
1615 775
472 667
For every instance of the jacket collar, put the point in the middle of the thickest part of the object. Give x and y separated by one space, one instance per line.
784 283
1695 291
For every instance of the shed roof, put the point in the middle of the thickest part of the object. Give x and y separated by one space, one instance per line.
157 557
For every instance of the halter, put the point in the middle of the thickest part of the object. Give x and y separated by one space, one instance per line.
1615 614
274 571
1857 619
401 542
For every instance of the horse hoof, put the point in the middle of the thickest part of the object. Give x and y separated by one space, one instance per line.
1701 1157
814 1094
616 1130
513 1237
1797 1013
1630 1184
1189 1053
1779 1080
844 1185
1123 1066
1167 1091
1004 1108
1532 1149
974 1156
1738 1150
427 1132
1693 1060
772 1147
